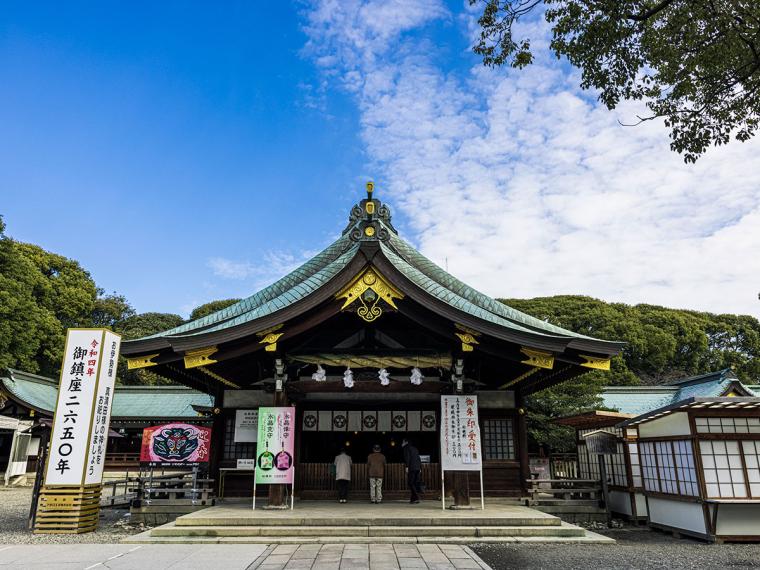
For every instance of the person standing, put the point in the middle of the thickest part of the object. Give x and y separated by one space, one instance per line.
413 470
376 472
342 474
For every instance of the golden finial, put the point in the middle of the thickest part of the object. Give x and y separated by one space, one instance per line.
370 189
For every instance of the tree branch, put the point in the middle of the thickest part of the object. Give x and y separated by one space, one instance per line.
651 12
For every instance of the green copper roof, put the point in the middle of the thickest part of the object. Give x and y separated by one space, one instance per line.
641 399
295 285
370 232
129 402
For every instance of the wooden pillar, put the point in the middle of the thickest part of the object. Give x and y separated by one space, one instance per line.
522 444
277 492
461 489
217 437
41 462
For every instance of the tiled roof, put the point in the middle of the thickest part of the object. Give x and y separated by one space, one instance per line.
641 399
129 402
425 274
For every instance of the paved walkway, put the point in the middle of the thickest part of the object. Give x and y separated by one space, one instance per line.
238 556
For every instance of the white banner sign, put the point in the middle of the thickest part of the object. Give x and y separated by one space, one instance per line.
96 455
77 445
460 434
246 426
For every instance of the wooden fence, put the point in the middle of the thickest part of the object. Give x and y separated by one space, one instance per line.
319 477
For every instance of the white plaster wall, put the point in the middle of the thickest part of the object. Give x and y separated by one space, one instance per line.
672 424
641 505
677 514
738 520
620 502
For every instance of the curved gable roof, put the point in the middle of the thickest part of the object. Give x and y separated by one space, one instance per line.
324 269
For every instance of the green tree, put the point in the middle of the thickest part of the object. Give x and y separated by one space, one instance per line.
138 326
662 345
696 63
41 295
212 307
30 334
111 310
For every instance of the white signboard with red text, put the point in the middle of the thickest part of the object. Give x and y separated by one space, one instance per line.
460 434
83 410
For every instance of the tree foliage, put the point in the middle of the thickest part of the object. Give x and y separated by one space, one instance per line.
212 307
41 294
696 63
661 345
138 326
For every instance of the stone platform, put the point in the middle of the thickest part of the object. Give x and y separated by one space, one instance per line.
390 522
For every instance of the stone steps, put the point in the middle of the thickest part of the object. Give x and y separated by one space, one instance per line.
279 531
146 538
286 519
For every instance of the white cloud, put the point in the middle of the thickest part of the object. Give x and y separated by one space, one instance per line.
529 187
272 266
229 269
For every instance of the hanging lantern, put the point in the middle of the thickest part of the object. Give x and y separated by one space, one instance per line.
385 378
416 377
320 375
348 378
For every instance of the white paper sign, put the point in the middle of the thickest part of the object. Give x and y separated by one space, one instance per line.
246 464
460 434
246 426
96 455
86 362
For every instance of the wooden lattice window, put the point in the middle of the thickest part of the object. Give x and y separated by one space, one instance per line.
498 439
234 450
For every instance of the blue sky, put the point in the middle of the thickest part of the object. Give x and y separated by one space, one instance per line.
218 146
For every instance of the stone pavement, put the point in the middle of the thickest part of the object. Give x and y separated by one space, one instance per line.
238 556
370 557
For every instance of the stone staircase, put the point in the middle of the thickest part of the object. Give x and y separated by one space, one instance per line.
387 523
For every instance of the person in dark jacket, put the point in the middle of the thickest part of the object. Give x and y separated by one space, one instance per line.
413 470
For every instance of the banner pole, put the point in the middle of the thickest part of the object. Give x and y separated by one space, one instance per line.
254 491
482 499
443 489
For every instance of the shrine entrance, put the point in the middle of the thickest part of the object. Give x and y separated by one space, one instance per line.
363 340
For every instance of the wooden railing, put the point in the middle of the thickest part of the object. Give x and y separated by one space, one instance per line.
176 489
122 459
588 489
564 466
319 477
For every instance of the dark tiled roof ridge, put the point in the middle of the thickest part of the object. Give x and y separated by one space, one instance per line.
706 377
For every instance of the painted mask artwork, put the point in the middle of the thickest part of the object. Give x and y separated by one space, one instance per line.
175 444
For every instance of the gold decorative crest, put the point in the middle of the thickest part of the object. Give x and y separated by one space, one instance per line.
141 361
595 362
468 340
537 358
271 341
368 288
199 357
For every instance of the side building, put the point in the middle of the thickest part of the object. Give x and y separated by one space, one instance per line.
687 454
27 402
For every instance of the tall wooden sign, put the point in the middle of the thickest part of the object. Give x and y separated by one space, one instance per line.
460 439
69 502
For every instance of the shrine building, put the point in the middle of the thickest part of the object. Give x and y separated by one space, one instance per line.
363 339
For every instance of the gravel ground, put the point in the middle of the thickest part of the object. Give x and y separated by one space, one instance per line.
14 512
637 548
